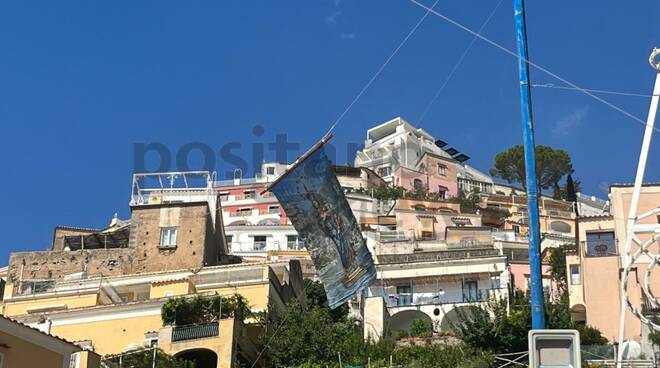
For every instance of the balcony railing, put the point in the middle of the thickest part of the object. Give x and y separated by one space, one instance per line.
391 236
193 332
438 256
291 245
259 245
449 297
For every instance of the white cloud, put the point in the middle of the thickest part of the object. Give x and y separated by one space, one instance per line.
569 122
332 18
347 36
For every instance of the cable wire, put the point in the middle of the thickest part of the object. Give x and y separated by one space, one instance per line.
550 85
458 64
539 67
382 67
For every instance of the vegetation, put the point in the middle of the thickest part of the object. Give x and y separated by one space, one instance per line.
558 271
186 311
144 359
551 166
421 328
492 328
312 337
565 192
469 201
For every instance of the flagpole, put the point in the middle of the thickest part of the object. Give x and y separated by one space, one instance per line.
536 284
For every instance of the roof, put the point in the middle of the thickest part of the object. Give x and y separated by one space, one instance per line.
18 327
75 228
469 172
623 185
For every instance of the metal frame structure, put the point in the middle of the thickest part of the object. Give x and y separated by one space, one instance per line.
168 182
632 226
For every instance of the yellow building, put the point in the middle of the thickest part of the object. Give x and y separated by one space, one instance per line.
22 346
111 315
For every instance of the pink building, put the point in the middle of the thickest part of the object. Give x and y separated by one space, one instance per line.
436 173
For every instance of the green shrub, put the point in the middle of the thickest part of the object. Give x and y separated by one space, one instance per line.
185 311
421 328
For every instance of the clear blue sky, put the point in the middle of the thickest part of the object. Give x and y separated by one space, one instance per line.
81 82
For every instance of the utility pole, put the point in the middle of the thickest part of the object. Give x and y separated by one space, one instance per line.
536 285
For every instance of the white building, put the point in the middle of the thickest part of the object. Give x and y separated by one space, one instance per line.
433 280
396 143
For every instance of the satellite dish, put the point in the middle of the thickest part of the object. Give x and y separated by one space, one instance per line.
631 350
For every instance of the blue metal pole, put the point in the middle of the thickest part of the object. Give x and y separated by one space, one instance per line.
536 285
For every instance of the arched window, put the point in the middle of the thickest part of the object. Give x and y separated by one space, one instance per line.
420 207
560 227
418 184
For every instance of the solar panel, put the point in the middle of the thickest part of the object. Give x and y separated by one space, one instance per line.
440 143
451 151
462 157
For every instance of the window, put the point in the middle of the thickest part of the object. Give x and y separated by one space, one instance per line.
244 212
404 293
575 275
224 196
270 170
442 192
274 209
470 291
495 282
384 171
249 194
560 227
259 242
168 237
515 228
418 184
292 242
229 239
600 244
442 170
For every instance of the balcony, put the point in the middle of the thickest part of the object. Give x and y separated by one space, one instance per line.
438 255
434 298
247 247
193 332
391 236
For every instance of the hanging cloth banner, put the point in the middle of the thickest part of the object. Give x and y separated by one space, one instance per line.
313 200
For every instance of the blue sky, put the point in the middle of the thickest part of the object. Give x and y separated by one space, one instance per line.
81 82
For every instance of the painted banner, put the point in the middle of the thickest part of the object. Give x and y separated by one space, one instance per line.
313 200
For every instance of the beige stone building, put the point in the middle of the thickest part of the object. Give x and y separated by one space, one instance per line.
594 270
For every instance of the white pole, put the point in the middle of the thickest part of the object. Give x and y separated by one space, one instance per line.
153 361
632 213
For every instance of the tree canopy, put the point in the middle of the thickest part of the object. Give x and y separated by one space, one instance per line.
551 166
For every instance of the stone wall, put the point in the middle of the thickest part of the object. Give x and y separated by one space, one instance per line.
192 222
56 264
198 243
